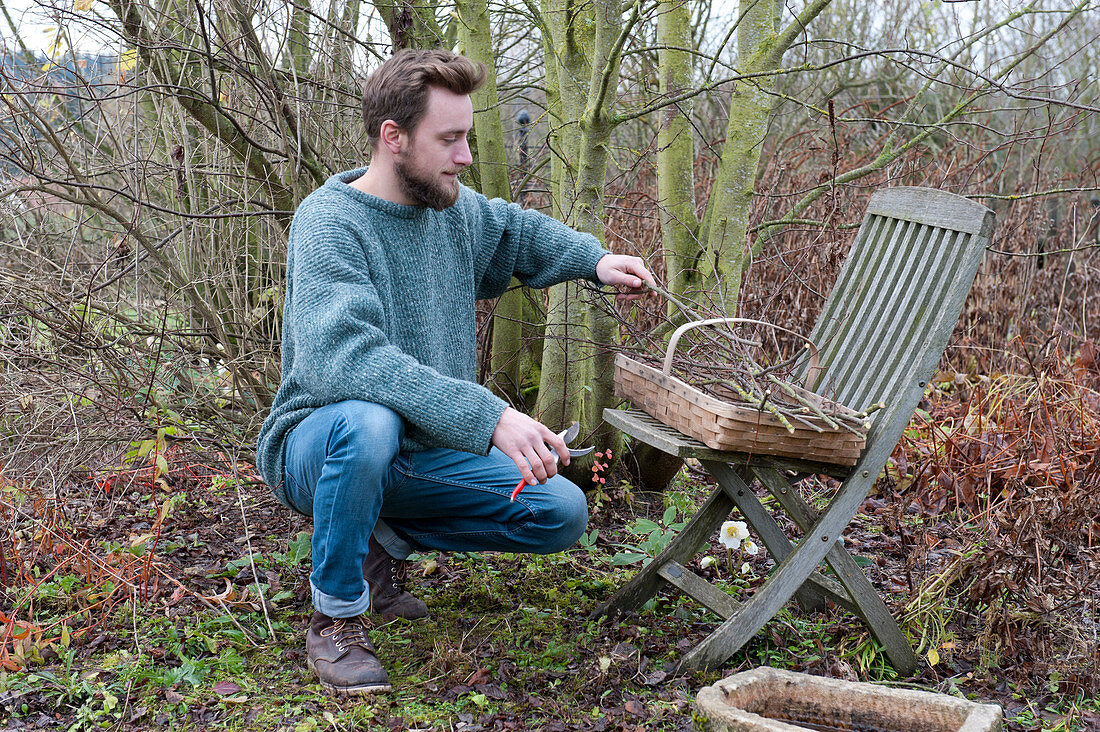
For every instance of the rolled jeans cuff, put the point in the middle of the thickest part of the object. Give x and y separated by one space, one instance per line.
335 607
394 545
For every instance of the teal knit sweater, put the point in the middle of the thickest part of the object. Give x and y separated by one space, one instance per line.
380 307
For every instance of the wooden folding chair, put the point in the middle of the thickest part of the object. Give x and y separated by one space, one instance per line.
881 335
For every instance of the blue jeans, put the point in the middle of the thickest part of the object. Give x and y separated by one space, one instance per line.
344 467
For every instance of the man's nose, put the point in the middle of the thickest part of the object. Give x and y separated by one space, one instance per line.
463 156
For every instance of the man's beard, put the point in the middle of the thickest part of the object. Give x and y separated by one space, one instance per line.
423 191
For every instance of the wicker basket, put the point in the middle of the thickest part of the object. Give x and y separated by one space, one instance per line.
727 425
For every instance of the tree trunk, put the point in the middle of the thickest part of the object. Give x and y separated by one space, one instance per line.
676 152
724 232
411 25
583 47
727 218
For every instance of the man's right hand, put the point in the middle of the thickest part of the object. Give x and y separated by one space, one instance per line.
528 442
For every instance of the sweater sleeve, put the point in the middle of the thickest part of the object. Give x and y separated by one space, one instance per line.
341 350
537 249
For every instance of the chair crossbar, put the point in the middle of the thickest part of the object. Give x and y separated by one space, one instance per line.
699 589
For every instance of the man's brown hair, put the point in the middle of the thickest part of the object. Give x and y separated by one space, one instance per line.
398 89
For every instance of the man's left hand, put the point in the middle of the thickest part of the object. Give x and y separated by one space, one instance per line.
626 272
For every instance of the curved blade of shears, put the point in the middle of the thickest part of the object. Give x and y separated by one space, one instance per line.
570 433
567 435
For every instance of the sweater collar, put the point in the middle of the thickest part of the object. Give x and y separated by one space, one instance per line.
340 182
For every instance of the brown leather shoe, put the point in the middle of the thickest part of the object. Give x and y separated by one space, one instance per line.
342 657
386 578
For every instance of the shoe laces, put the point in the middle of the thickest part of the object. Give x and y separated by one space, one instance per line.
348 632
399 572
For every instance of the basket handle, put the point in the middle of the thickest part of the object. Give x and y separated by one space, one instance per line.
811 374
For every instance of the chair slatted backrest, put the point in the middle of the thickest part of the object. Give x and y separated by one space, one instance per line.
886 323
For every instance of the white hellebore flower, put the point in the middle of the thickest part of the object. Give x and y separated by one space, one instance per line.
751 548
745 568
707 561
732 533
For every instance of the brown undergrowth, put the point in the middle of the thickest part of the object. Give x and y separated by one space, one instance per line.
97 543
1001 474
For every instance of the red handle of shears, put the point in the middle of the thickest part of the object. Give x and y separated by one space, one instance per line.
515 491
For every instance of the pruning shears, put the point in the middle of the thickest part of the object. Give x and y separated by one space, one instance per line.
567 435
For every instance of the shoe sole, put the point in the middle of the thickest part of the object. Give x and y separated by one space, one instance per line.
359 690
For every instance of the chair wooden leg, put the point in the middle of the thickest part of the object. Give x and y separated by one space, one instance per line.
778 545
788 577
868 604
681 549
873 611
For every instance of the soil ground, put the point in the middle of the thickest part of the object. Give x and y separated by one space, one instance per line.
180 602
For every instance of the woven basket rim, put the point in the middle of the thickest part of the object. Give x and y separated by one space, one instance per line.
729 426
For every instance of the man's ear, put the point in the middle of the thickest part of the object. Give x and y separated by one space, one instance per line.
391 136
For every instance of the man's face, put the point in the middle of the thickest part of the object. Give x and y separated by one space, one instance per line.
432 157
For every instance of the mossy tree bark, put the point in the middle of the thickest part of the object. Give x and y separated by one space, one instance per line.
724 232
583 45
653 469
299 54
676 152
411 24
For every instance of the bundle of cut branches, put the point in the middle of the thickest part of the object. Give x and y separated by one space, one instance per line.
728 362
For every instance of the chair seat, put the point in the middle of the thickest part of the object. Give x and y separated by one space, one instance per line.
641 426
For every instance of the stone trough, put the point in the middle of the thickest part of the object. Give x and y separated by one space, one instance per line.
773 700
